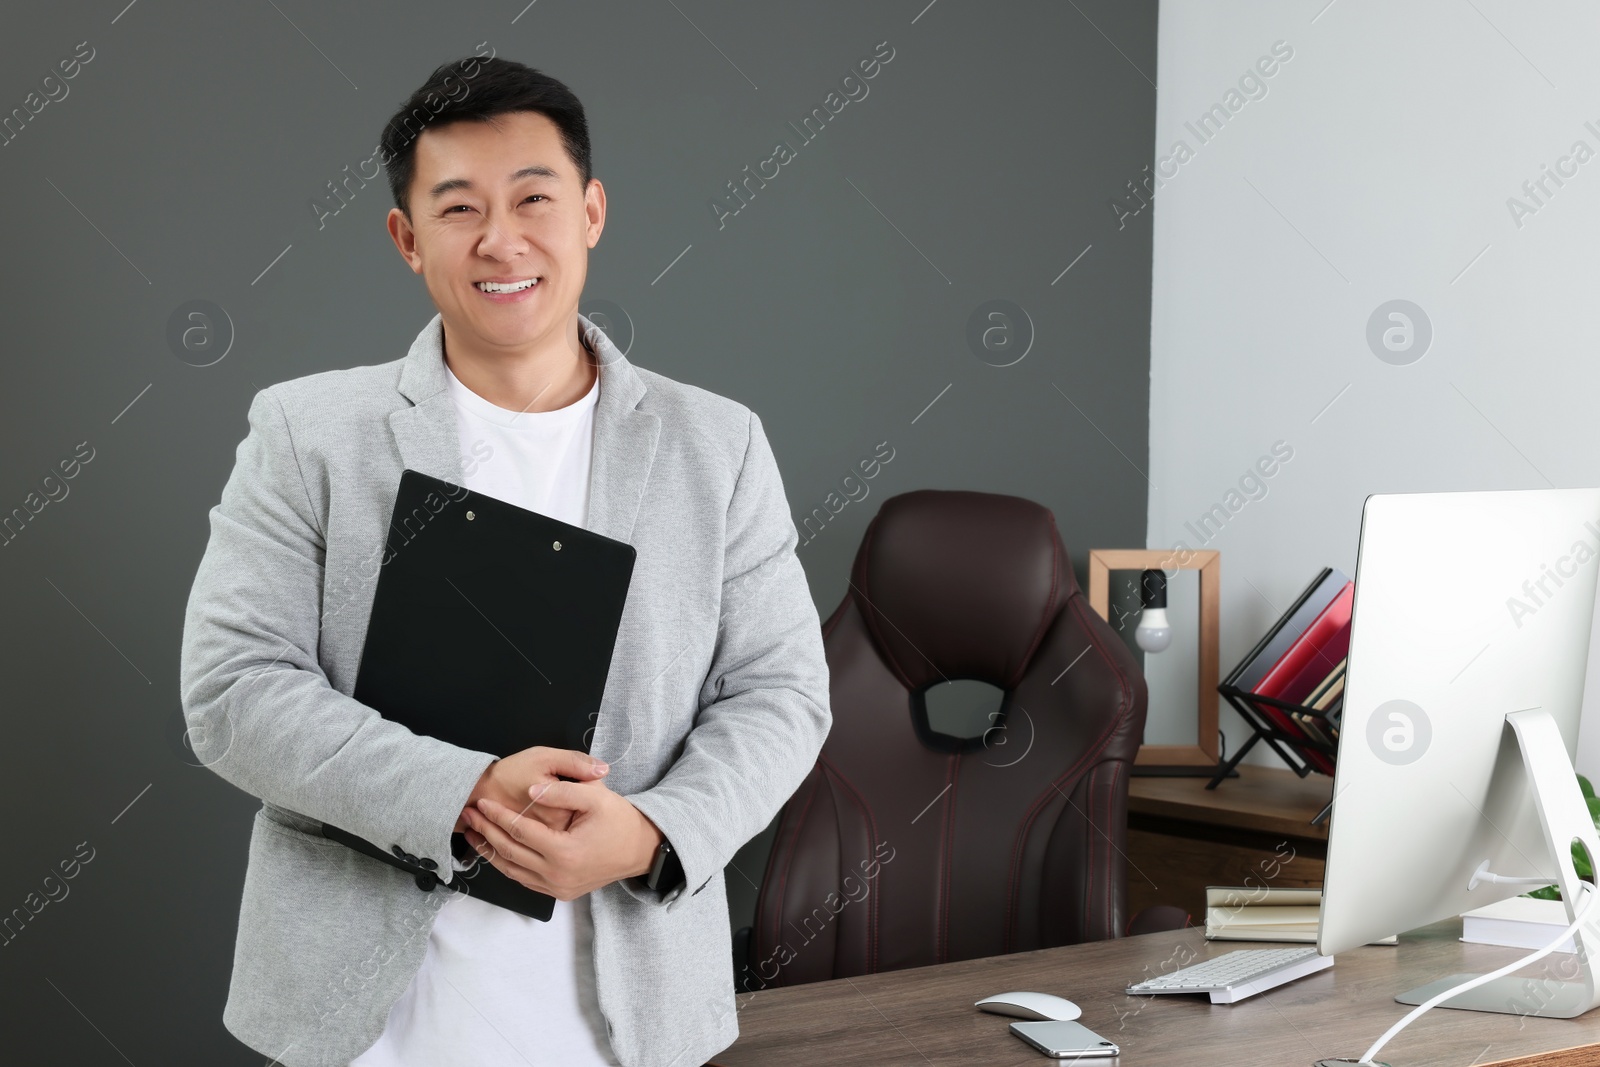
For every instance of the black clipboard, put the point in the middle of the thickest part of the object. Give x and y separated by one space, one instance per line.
492 628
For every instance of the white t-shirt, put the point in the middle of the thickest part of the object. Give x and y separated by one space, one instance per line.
495 987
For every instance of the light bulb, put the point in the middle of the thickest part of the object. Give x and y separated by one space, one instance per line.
1154 632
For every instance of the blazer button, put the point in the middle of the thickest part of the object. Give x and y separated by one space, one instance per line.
425 881
426 865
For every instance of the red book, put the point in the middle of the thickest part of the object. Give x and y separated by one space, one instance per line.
1306 649
1305 663
1319 666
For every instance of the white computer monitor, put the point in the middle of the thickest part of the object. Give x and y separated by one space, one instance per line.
1469 607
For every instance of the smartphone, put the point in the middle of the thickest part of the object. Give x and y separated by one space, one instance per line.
1065 1041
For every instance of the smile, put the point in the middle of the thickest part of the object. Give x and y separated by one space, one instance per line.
506 287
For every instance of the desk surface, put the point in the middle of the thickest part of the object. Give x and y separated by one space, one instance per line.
924 1016
1272 800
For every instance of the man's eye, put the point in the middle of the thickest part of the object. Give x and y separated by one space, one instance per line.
466 207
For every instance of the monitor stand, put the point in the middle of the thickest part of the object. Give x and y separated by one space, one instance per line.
1568 988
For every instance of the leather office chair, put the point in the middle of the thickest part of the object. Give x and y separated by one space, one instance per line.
904 847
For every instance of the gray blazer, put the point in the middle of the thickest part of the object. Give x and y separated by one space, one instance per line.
715 707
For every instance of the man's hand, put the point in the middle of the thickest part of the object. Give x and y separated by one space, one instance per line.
513 781
608 839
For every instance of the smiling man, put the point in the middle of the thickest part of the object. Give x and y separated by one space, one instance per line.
715 708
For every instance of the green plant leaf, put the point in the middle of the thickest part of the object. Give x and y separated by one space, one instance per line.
1580 859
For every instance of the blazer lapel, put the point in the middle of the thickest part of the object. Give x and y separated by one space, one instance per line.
624 440
624 437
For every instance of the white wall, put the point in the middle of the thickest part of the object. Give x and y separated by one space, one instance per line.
1377 165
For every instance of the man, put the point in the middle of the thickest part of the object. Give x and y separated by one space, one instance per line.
715 708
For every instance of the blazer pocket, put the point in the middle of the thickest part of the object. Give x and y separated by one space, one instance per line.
293 824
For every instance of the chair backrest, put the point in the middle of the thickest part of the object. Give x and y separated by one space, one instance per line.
905 847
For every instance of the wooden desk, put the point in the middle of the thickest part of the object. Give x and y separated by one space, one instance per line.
924 1016
1183 837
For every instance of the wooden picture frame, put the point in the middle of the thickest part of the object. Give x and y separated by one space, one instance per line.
1102 561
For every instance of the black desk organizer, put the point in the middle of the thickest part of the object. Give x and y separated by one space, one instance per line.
1296 748
1291 748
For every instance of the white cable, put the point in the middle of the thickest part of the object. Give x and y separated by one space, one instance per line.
1590 898
1484 874
1505 879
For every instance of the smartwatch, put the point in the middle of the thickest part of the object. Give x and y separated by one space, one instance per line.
666 873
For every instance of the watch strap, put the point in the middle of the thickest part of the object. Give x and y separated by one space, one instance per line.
667 871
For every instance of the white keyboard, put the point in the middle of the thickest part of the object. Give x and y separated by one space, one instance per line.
1234 976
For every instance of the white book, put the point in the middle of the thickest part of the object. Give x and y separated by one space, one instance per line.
1517 922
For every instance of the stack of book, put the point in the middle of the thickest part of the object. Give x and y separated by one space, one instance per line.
1518 922
1290 688
1263 913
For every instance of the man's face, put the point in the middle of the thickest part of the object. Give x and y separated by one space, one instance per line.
500 201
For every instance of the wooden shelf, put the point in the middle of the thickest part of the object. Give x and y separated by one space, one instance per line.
1265 800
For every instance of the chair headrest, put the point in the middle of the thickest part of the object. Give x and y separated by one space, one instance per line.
960 584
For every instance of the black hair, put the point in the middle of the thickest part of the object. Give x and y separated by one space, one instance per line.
476 89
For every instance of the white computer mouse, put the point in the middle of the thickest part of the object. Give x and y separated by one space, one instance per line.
1031 1006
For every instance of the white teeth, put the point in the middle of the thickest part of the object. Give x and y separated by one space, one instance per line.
507 287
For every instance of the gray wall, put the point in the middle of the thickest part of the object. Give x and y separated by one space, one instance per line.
1364 170
181 165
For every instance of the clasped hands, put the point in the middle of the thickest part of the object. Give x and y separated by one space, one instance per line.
562 839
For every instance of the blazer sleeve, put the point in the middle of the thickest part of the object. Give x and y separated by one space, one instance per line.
765 700
260 710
